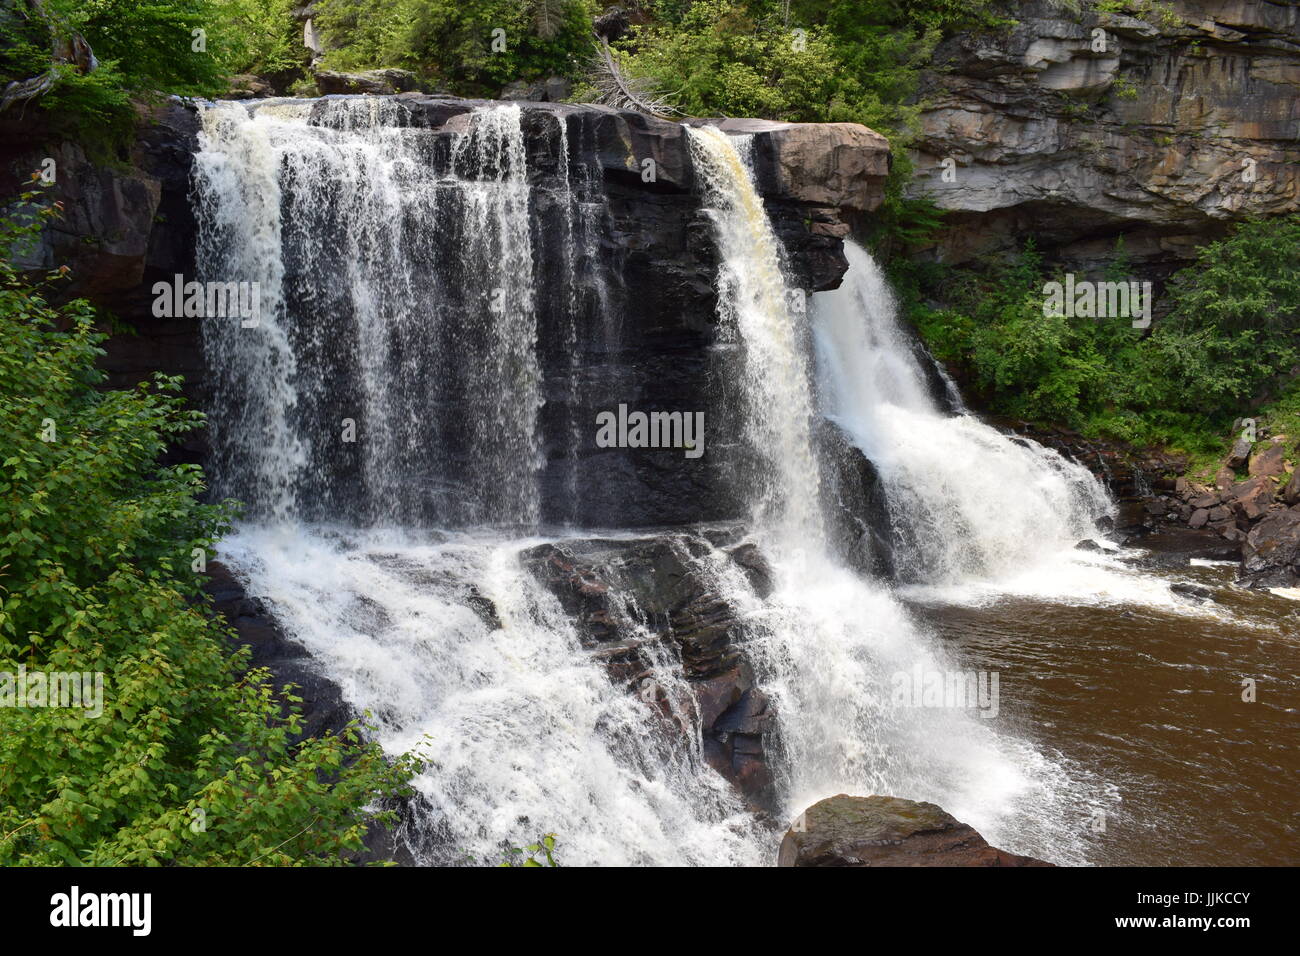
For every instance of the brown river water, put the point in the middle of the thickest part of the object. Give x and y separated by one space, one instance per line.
1142 692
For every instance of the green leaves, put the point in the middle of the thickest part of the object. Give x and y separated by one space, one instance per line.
95 577
1231 337
450 42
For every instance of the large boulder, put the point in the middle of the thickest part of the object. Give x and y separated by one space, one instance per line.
1240 454
1251 499
1270 461
373 82
887 831
1271 554
247 86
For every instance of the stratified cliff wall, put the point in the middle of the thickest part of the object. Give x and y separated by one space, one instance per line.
1076 126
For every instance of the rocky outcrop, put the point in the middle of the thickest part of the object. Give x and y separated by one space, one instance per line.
553 89
1254 519
1077 125
836 165
371 82
1271 555
246 86
635 601
887 831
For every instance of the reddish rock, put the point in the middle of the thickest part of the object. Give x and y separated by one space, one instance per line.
1268 462
1291 493
887 831
1251 498
1229 530
1271 554
1200 517
1225 478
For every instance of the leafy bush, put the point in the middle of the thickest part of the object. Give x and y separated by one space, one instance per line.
143 49
450 42
191 760
1231 339
261 37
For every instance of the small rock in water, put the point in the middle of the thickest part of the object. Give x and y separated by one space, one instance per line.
1194 591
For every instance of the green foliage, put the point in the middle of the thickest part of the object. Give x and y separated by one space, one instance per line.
262 37
828 62
450 42
192 760
528 856
143 49
854 61
1232 337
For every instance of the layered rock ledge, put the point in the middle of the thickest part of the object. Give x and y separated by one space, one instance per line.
1075 126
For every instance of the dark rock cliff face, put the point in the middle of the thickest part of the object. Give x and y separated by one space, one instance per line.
1077 126
655 345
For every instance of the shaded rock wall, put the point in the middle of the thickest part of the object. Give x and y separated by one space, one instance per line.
1175 127
655 348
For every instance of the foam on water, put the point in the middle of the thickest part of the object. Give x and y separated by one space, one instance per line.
523 730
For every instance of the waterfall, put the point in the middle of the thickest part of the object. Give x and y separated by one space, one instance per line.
965 501
523 730
382 264
755 308
398 270
401 273
829 645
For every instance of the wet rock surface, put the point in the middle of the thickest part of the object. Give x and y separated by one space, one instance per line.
635 601
887 831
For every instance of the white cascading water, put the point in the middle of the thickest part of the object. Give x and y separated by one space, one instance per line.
397 273
967 502
828 643
523 729
755 311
